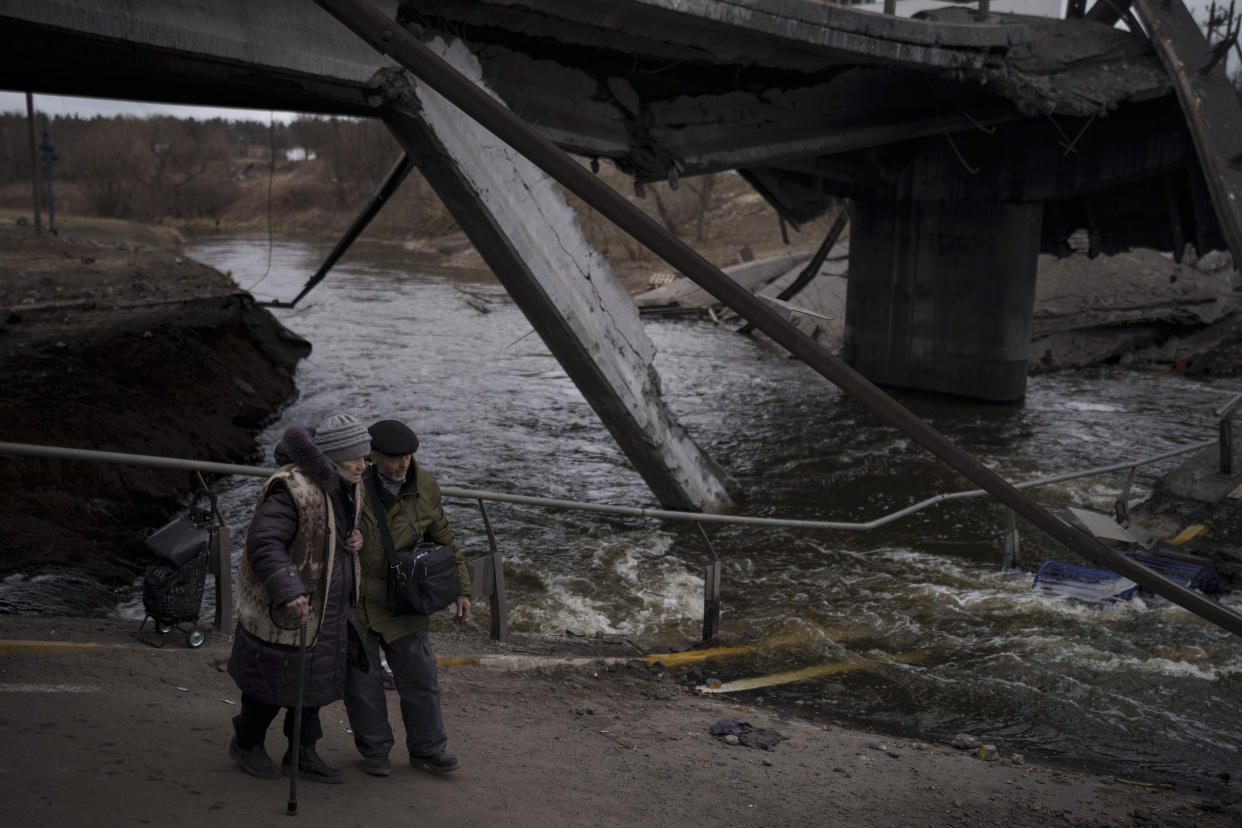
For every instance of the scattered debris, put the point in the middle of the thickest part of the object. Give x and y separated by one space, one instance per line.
964 741
735 732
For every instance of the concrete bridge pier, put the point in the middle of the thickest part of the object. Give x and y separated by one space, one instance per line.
520 223
941 294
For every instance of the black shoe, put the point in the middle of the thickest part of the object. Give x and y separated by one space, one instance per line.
254 761
376 765
440 763
312 767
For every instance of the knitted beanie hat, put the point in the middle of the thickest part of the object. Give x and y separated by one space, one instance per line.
341 437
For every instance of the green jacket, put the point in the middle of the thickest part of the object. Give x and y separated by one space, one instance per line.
415 513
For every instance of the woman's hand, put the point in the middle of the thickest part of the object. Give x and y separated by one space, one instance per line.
354 542
299 608
463 608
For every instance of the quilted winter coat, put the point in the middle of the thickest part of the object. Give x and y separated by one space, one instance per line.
295 546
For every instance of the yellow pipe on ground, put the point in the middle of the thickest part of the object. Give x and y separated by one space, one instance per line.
790 676
774 642
18 647
1192 532
697 656
449 662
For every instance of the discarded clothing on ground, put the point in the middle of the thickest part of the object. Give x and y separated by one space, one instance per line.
746 734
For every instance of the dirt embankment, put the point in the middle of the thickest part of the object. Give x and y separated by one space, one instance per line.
112 341
1139 308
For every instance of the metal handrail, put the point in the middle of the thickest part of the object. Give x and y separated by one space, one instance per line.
1227 409
65 453
489 571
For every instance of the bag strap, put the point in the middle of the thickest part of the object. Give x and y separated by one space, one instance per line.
381 517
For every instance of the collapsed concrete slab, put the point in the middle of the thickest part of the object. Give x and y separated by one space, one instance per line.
521 224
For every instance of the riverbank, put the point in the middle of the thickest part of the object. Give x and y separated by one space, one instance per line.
550 730
112 340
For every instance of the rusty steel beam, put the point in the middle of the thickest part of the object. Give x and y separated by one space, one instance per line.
385 35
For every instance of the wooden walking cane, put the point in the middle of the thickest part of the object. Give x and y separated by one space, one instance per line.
295 741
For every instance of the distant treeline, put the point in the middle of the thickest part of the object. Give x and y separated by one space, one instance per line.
159 168
311 174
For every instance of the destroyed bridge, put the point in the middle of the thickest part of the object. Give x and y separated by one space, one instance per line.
966 143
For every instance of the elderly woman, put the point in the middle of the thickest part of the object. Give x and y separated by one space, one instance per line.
300 567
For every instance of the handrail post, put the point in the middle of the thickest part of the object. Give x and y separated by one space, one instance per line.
711 590
711 600
221 564
1009 558
1226 445
1121 507
497 598
219 561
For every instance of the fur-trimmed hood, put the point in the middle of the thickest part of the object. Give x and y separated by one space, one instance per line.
297 446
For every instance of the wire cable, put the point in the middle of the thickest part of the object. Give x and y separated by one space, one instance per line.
271 173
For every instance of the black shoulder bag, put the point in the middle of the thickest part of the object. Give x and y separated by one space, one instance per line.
422 578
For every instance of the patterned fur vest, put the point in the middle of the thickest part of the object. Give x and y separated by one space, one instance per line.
306 475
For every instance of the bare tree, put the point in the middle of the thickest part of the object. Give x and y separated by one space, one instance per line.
105 162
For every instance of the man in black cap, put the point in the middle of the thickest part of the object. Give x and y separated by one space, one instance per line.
410 499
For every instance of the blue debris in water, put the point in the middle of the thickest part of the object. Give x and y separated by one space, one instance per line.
1087 584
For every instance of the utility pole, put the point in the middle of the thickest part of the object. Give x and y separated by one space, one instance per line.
34 163
49 155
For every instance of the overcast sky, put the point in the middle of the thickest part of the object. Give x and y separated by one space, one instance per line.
90 107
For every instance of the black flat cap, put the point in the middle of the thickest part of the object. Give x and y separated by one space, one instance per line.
393 438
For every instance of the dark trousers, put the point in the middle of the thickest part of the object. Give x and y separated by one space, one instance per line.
255 717
413 667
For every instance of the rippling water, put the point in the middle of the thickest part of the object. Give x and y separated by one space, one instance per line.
950 642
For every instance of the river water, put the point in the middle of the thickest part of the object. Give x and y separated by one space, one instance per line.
944 641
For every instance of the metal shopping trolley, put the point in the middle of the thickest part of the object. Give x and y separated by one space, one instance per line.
172 587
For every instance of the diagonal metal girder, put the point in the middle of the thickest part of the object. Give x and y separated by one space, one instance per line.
388 37
1210 104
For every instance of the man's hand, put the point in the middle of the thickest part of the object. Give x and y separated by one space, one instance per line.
463 608
299 608
354 542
